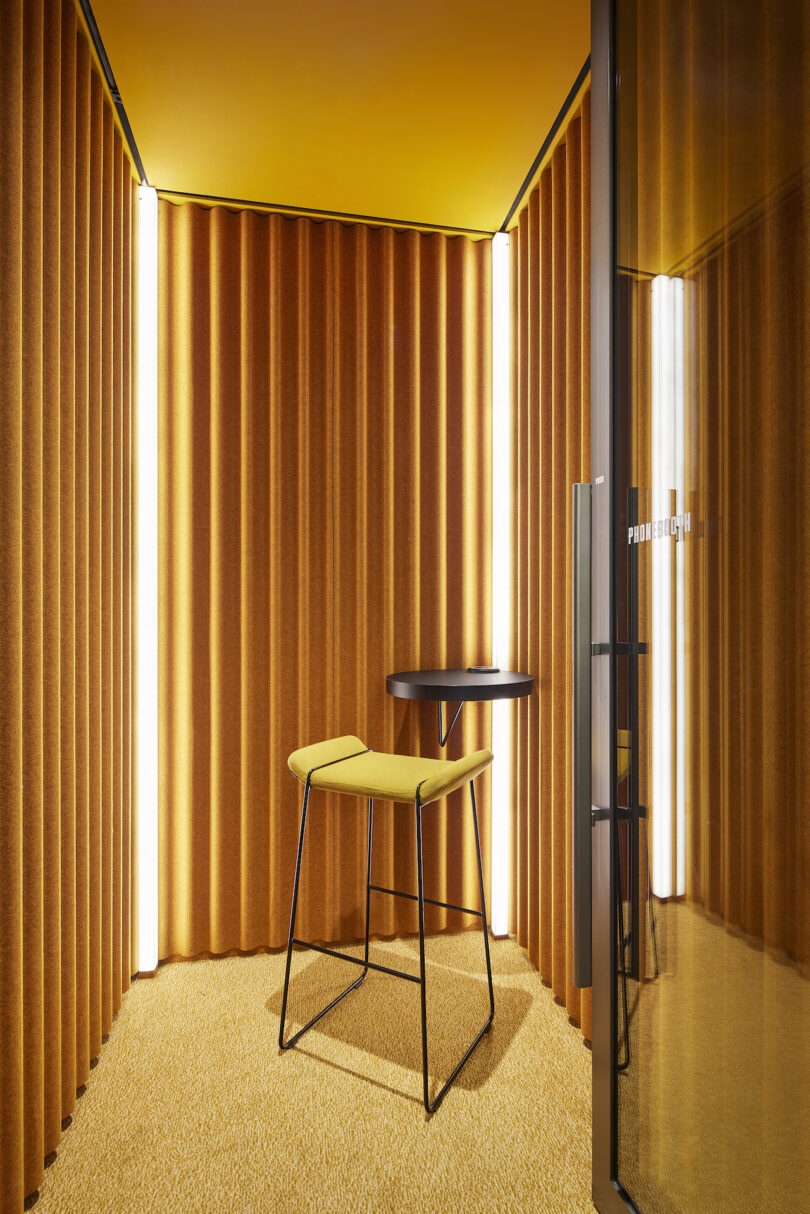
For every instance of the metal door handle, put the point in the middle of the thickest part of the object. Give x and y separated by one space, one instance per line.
581 776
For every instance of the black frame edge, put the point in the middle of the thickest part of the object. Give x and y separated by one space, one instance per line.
547 142
604 1189
98 45
319 216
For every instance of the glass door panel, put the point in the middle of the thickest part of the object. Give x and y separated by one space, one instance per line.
711 531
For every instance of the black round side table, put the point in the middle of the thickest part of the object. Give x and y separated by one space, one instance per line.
458 686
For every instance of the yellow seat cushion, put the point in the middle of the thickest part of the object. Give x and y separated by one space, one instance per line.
381 776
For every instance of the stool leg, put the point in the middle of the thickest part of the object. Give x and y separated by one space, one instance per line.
291 938
483 908
292 914
368 875
421 907
431 1108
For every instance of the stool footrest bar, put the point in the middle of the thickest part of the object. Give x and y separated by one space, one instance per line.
383 969
398 893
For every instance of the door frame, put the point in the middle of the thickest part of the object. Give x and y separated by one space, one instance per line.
608 1195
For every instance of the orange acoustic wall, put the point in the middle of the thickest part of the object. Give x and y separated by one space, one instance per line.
730 218
324 520
550 252
66 579
748 580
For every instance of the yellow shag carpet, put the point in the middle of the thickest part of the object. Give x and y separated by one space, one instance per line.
714 1111
192 1106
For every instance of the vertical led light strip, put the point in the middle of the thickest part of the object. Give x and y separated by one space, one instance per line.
677 288
501 581
147 584
661 453
668 711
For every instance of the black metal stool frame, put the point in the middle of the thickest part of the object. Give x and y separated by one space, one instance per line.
384 969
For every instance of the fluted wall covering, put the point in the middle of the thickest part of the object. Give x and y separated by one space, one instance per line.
324 520
550 255
723 180
66 543
748 574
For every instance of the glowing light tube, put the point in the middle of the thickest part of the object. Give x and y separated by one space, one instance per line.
501 582
147 585
680 595
668 611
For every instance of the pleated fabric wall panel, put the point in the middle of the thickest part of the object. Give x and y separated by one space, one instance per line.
325 491
748 574
550 256
412 499
67 201
723 177
243 515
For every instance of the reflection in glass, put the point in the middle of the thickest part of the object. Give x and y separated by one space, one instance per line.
712 450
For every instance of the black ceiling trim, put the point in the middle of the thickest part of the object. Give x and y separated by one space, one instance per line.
292 212
634 272
558 121
113 87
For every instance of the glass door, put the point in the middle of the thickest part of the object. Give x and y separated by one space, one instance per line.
701 625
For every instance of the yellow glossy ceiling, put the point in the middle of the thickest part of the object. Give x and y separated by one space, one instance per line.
427 111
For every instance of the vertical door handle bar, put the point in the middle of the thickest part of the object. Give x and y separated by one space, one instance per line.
581 781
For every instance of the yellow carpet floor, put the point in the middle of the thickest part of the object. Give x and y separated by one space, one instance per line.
714 1111
193 1108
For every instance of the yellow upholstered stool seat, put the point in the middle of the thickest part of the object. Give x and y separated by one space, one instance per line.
346 765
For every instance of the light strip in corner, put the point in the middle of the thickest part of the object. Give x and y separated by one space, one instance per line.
501 582
667 567
147 584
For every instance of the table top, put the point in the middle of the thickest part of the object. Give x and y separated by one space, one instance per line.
458 685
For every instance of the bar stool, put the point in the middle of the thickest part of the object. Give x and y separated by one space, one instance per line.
346 765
